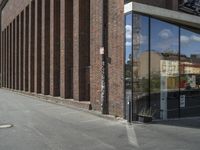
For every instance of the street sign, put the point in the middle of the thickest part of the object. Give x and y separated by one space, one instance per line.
182 101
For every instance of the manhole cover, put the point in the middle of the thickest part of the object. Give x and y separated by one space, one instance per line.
4 126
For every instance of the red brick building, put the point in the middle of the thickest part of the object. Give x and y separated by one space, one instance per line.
51 48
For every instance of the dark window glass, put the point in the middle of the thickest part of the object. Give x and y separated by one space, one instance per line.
164 68
190 73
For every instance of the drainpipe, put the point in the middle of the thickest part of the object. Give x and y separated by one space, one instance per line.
103 53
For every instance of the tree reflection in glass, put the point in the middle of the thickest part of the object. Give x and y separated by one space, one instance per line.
140 61
164 70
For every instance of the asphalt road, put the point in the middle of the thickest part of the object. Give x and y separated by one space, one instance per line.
40 125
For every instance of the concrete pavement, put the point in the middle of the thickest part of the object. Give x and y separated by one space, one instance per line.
43 126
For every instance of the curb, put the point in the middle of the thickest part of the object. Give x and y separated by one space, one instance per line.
86 106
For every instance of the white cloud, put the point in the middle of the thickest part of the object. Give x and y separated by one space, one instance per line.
128 44
165 33
128 31
195 38
185 39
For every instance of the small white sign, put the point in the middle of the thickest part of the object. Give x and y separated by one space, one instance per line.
102 50
182 101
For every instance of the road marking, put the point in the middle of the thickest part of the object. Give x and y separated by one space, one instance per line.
132 136
4 126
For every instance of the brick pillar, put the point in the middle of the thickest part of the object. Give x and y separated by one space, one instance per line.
1 80
31 46
81 46
10 57
21 51
95 58
13 55
16 53
11 50
4 52
6 47
38 46
26 43
55 48
1 55
66 55
1 49
2 58
115 50
7 55
45 47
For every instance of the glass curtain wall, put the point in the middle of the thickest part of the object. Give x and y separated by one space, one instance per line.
162 68
128 66
140 63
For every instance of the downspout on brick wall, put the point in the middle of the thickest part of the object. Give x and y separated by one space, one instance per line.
104 71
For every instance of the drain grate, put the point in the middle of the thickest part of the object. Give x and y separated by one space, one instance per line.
4 126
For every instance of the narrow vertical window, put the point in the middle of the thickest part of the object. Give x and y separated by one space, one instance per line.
128 63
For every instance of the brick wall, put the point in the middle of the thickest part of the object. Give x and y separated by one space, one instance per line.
58 54
114 54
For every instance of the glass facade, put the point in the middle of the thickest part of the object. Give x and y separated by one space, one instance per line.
128 65
162 68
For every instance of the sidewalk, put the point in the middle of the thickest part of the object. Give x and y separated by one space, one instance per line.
39 125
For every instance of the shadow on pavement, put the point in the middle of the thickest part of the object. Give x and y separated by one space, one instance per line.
183 122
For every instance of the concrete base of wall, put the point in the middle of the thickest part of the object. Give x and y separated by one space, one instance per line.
55 100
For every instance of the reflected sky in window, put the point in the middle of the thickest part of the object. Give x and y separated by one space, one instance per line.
165 36
128 29
190 42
